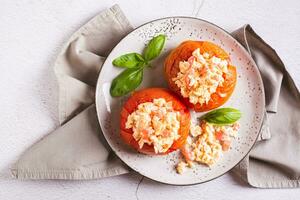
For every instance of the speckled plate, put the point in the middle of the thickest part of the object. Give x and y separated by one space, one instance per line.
248 97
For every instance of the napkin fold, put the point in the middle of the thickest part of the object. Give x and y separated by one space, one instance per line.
78 150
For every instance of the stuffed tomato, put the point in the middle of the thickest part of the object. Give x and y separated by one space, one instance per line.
154 121
200 72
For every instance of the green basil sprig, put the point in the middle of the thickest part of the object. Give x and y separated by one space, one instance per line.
129 60
135 63
127 81
154 47
222 116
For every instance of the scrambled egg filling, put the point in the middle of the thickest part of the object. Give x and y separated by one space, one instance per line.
155 123
200 76
206 143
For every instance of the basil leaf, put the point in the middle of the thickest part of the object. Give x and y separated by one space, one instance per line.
154 47
129 60
222 116
126 82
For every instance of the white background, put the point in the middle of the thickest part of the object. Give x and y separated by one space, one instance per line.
31 35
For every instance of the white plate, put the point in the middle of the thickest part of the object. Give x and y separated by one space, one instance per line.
248 97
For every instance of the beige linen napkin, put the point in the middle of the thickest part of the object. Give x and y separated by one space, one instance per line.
273 163
77 149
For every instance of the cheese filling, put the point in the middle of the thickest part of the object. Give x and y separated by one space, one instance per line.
200 76
155 123
206 143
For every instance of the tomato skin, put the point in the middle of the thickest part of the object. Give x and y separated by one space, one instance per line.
147 95
184 52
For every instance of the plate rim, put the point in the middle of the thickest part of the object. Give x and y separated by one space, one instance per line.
227 33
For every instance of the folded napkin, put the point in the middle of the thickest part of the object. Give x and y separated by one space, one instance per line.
273 163
77 149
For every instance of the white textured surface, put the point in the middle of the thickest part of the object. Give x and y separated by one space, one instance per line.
31 34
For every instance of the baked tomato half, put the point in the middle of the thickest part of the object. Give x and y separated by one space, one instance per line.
184 52
151 95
